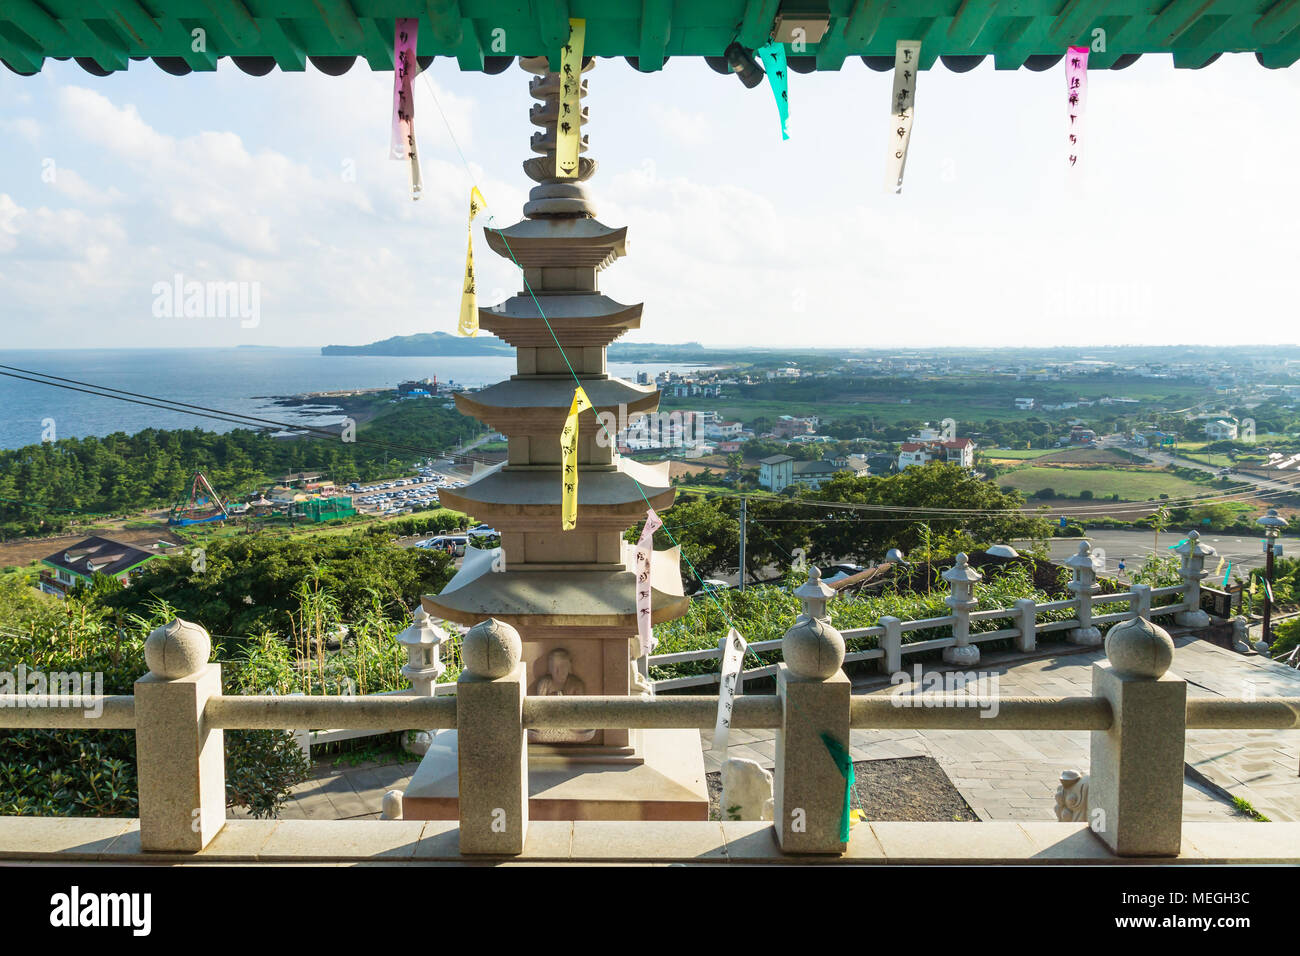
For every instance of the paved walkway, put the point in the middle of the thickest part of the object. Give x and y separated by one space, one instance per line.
1004 775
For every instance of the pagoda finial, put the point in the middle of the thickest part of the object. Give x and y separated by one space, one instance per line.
554 196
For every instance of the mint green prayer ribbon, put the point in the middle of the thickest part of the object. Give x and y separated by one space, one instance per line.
844 762
772 54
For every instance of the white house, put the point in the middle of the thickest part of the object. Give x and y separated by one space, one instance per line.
1221 430
776 473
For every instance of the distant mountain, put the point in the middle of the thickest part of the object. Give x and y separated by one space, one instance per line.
426 343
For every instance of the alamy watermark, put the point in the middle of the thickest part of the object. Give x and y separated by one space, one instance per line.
24 689
977 689
192 299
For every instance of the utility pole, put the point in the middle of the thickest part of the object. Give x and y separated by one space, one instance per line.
744 513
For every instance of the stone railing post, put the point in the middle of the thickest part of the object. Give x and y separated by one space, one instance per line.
180 761
1027 621
1139 604
891 642
1082 586
961 578
1135 790
1193 555
491 745
808 793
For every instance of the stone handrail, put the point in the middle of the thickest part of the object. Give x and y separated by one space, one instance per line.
1083 626
178 713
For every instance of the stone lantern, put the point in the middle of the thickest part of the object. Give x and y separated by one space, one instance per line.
1193 555
961 578
1083 586
814 594
423 641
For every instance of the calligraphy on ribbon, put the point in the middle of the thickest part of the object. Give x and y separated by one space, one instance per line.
569 455
1076 84
733 655
778 78
405 69
568 127
907 53
644 552
469 297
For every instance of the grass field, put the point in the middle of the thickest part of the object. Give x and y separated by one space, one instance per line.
1012 454
1102 482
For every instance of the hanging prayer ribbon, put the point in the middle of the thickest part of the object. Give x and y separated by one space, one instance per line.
569 450
906 55
568 126
1219 567
405 69
773 56
468 297
1227 574
844 762
733 655
1268 591
1076 84
645 548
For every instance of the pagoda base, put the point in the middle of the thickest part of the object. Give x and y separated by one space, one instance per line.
667 783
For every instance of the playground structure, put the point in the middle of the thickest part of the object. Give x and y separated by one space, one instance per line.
201 506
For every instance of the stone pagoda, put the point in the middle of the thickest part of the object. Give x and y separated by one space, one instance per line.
570 594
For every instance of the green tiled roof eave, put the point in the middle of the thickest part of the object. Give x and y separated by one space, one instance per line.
480 34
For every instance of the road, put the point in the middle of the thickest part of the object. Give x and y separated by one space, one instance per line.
1133 547
1164 458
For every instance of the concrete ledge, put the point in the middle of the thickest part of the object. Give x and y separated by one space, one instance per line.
273 842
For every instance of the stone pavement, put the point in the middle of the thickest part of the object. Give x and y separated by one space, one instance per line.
1006 775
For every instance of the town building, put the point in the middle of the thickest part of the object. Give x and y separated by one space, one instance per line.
958 451
776 473
1221 430
813 473
78 564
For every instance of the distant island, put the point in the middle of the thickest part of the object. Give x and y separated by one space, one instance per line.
426 343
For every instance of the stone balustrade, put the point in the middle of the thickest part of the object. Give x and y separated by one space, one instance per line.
1138 716
1024 620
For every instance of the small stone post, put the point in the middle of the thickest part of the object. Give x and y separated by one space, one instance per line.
1135 792
1140 604
891 642
1193 555
809 790
1083 586
1027 621
493 752
180 761
961 577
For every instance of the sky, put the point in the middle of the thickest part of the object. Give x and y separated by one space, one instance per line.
1179 224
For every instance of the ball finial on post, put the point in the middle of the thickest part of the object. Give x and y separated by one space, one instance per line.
1138 648
491 649
812 649
177 649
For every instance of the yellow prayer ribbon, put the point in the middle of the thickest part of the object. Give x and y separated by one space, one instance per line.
1219 566
568 125
468 298
569 449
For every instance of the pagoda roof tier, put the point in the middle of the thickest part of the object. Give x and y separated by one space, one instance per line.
618 494
540 405
566 243
578 318
561 598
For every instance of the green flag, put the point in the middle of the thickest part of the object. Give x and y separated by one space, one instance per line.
844 761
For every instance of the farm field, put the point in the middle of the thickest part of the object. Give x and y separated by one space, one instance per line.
1102 482
1016 454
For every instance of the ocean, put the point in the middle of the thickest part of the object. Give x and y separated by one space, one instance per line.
232 379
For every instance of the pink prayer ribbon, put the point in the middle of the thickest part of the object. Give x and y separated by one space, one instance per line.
644 549
405 69
1076 85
